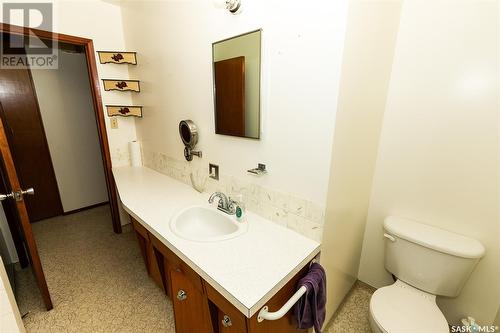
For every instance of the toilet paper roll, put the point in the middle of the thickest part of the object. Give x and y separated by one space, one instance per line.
134 149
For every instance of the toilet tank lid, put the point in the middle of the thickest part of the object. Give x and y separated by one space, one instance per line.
434 238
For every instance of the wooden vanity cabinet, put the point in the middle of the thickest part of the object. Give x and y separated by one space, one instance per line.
239 323
198 307
191 310
190 302
229 319
148 252
288 323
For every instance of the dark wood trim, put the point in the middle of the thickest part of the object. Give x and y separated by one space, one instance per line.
103 136
11 175
97 101
69 212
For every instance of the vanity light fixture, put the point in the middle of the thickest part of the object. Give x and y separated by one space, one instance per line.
234 6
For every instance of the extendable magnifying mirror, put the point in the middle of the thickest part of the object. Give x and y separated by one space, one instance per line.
189 136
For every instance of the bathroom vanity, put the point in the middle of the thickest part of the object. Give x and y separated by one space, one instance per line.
218 285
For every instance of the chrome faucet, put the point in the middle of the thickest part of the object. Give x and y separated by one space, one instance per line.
225 205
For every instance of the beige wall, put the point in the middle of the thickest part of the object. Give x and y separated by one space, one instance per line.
302 48
68 117
438 158
368 52
101 21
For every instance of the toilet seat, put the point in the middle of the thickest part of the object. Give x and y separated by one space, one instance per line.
401 308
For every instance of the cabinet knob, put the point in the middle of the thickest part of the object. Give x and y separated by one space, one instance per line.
181 295
226 321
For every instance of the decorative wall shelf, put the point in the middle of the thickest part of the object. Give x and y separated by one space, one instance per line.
121 85
124 111
114 57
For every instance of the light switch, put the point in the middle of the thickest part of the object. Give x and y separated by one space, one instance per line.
114 123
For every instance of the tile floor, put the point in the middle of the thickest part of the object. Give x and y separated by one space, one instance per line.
97 280
352 315
99 283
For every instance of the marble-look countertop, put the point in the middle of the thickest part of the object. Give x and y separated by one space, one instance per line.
248 270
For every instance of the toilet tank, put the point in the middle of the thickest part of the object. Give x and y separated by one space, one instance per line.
428 258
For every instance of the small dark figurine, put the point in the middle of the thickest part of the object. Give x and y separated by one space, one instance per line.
124 110
117 57
121 85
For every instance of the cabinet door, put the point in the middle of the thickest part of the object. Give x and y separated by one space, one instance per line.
147 251
288 323
227 324
190 305
153 267
143 240
229 319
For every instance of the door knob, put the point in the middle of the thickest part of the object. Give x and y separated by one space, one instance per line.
181 295
18 195
30 191
6 196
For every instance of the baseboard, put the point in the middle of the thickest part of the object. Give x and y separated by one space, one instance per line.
85 208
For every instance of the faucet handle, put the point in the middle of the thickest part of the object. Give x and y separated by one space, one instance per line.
231 205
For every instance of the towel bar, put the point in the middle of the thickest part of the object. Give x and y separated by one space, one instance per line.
264 314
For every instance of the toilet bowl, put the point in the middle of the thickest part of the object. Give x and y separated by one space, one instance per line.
426 261
401 308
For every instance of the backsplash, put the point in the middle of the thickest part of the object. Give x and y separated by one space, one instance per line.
120 156
300 215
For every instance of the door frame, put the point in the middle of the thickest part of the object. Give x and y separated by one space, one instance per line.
88 45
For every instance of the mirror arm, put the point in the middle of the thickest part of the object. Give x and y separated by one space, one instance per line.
188 153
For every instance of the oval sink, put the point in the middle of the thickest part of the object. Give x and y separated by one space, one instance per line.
205 224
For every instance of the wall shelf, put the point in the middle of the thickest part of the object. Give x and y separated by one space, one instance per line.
117 57
124 111
121 85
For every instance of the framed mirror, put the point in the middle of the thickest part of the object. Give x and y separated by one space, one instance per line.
236 78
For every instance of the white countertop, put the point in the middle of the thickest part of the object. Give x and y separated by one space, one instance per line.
10 319
248 270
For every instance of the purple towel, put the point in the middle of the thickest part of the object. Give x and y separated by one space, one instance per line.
310 309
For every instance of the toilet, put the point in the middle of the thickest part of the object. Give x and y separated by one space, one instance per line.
427 262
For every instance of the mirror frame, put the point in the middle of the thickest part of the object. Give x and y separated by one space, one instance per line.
260 85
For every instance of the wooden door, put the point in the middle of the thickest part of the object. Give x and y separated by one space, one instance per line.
190 305
230 96
30 151
13 186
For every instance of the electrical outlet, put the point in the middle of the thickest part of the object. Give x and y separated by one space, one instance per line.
213 171
114 123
